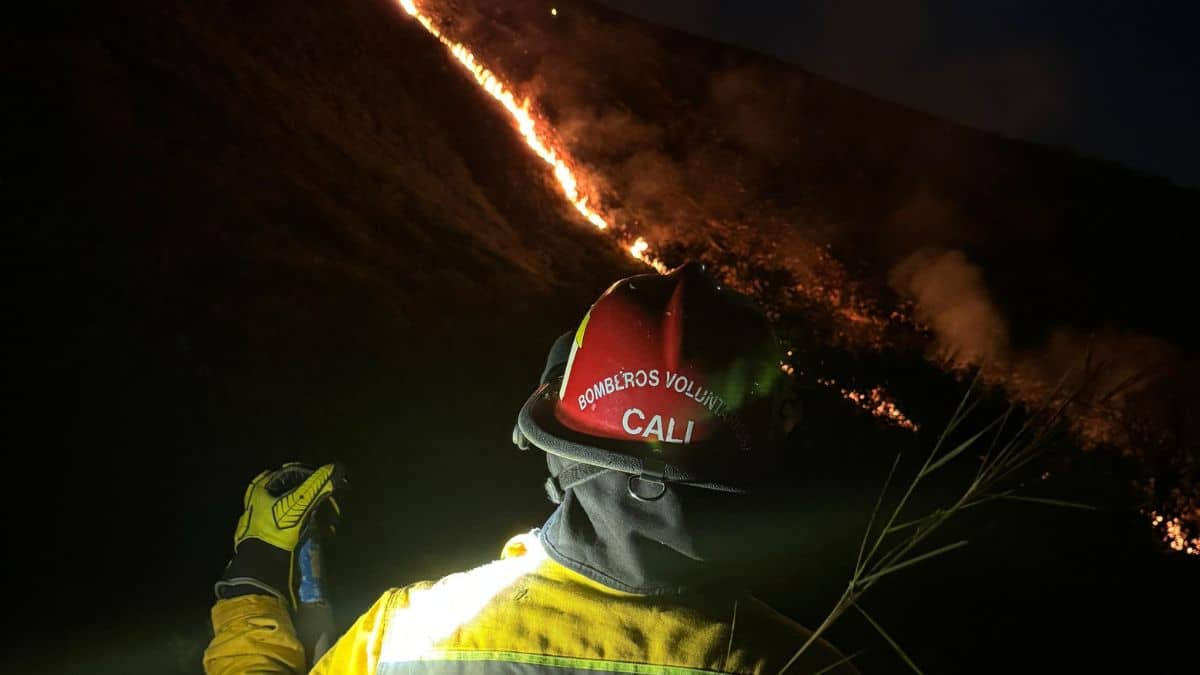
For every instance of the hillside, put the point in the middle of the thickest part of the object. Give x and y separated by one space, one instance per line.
269 231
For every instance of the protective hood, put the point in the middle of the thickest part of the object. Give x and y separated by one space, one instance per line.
690 538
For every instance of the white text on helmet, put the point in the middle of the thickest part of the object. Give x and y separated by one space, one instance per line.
689 388
655 427
618 382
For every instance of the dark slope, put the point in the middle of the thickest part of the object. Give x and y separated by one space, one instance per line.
256 110
270 231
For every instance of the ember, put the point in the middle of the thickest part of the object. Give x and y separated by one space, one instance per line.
874 401
1175 534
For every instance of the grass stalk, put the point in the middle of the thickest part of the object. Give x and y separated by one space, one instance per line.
891 547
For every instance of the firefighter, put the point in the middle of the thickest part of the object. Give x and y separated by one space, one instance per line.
661 418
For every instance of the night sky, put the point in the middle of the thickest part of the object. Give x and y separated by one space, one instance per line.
1114 80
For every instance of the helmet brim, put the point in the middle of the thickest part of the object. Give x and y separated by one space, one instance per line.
538 424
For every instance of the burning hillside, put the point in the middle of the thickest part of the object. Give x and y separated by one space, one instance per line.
620 158
274 231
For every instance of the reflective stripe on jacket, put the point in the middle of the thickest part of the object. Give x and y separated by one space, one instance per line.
522 614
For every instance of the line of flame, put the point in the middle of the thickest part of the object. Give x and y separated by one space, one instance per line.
527 126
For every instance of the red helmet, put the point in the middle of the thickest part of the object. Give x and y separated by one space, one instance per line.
669 378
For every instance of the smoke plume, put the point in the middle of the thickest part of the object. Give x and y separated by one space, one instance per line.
951 298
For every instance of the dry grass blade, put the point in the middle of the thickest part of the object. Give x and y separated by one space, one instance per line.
958 450
874 512
838 664
891 548
870 578
1048 502
879 629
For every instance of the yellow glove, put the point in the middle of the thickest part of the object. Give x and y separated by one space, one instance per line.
279 508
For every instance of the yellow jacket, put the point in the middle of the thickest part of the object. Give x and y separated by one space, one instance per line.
522 614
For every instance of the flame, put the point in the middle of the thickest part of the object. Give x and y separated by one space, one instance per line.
638 249
535 137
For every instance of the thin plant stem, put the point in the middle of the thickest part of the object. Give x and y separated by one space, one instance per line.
880 554
875 624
